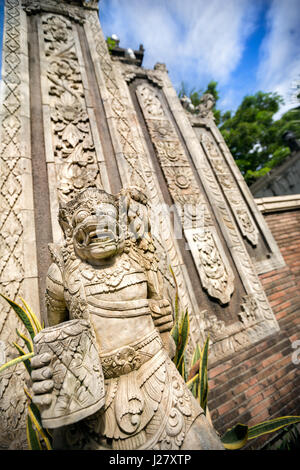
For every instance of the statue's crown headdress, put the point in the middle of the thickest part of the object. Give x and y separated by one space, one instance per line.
88 198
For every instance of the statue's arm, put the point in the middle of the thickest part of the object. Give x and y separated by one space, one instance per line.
161 310
56 307
57 312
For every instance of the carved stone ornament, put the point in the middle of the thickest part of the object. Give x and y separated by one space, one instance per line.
78 389
205 107
64 7
252 325
73 145
214 269
131 72
232 193
122 128
105 275
204 110
160 66
14 195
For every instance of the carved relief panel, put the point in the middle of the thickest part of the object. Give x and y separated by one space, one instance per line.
215 271
260 243
73 144
232 194
186 195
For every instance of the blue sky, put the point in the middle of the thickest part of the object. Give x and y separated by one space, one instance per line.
244 45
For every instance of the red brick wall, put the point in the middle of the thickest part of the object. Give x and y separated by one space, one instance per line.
285 227
262 382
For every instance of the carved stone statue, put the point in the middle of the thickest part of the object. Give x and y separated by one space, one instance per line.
206 105
204 109
105 275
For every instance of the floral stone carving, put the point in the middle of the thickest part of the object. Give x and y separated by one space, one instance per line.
106 275
73 145
215 272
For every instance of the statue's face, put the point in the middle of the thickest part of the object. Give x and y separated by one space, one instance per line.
96 233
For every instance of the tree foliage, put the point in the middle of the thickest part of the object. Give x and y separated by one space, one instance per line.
253 134
254 138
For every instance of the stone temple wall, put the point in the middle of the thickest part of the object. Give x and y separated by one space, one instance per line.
71 118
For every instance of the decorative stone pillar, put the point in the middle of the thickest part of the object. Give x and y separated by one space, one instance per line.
18 247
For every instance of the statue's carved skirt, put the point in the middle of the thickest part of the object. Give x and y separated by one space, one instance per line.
147 404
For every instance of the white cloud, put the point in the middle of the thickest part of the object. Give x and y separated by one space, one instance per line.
280 53
228 101
193 37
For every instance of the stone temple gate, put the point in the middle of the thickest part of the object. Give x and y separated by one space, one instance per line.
73 115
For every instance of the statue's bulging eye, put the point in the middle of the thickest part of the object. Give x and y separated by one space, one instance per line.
80 216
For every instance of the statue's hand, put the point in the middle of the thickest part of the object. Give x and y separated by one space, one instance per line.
41 377
162 314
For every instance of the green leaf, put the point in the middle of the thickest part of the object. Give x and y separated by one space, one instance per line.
271 426
236 437
111 43
192 384
26 361
39 428
203 377
196 355
195 387
23 315
183 336
26 340
32 436
35 415
175 335
193 379
182 368
16 361
184 327
34 318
